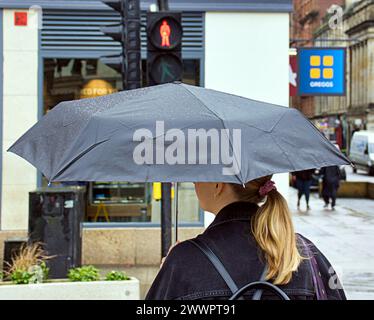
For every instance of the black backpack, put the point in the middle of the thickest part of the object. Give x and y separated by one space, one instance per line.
262 284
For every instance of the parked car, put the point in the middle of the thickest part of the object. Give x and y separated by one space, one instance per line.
361 151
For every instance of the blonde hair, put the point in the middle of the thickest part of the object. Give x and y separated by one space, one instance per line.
273 230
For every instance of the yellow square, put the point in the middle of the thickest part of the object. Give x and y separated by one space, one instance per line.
328 73
315 61
315 73
328 61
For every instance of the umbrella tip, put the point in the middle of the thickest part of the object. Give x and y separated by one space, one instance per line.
243 185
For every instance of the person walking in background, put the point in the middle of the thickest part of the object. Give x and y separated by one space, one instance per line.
303 183
330 184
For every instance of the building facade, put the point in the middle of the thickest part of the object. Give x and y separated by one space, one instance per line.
359 25
306 18
235 46
343 115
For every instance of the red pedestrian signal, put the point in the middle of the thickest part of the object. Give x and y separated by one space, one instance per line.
164 30
164 56
165 34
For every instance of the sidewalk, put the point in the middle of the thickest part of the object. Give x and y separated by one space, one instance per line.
345 236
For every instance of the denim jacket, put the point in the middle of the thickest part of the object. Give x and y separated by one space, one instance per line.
188 275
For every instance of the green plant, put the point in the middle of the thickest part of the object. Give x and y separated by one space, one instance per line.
45 269
85 273
116 276
20 276
28 265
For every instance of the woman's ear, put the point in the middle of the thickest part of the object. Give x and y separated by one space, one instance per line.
218 189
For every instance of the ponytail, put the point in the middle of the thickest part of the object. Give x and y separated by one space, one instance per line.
273 230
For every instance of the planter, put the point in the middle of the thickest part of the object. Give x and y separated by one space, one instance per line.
65 290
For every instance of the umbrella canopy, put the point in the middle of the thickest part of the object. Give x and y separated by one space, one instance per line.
173 133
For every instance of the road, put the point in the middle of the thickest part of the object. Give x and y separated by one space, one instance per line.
345 236
359 176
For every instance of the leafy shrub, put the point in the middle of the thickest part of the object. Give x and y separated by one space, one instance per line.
116 276
28 265
85 273
45 270
20 276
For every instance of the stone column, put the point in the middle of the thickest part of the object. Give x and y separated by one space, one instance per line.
370 78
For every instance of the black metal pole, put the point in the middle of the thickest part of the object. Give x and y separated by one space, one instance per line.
165 218
132 44
163 5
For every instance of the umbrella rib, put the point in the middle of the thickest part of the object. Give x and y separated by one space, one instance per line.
223 123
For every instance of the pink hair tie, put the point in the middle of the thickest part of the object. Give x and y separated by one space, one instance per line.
266 188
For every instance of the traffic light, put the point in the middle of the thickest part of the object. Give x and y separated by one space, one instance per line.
127 32
132 44
164 59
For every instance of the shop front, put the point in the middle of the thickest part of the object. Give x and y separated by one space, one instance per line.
71 47
117 202
59 61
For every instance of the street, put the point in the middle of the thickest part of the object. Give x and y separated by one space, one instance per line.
345 236
359 176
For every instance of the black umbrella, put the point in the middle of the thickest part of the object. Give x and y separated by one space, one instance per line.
172 133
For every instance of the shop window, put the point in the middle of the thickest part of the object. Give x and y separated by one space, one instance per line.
117 201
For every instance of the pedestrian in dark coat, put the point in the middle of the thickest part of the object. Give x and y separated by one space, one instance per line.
245 236
330 184
304 180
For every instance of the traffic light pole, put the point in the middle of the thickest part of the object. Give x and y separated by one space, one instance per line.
166 223
132 44
127 32
163 5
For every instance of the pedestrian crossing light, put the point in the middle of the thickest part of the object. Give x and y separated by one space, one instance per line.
164 59
117 33
127 33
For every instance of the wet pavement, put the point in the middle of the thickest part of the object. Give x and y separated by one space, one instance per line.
345 236
360 175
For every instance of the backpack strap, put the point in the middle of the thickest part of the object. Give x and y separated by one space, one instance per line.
258 293
216 263
222 270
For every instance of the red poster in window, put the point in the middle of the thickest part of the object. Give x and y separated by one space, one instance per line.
20 18
293 75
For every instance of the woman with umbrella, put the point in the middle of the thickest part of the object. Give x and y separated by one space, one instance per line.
252 233
252 229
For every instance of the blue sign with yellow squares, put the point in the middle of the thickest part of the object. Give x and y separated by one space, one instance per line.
321 71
